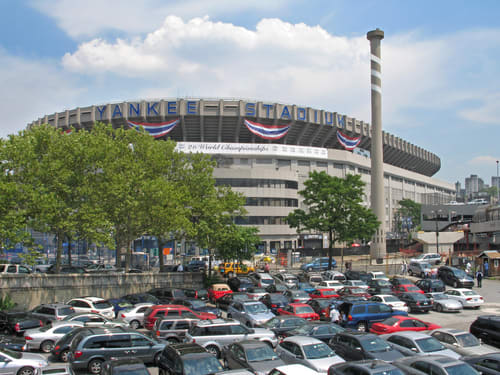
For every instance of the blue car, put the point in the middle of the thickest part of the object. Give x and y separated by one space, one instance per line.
306 287
360 315
317 265
198 305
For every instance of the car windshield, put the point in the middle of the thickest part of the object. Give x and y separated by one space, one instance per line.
331 292
300 294
65 311
394 371
413 288
272 323
258 290
262 353
323 303
256 308
305 286
11 353
357 283
390 321
375 344
304 330
404 282
132 370
469 293
391 299
429 344
304 310
357 291
316 351
197 304
238 297
202 366
467 340
461 369
102 305
417 296
459 273
439 296
276 298
267 281
383 283
316 279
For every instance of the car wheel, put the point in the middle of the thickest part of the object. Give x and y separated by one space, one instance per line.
455 284
95 366
214 350
134 324
362 327
26 370
156 359
47 346
439 308
65 355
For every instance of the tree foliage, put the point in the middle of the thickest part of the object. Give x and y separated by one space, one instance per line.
334 206
410 209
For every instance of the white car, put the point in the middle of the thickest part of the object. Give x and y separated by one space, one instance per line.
134 315
431 258
334 275
356 283
467 297
94 305
21 363
390 300
376 275
330 284
296 369
315 279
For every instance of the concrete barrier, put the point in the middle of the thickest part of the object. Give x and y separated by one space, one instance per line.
31 290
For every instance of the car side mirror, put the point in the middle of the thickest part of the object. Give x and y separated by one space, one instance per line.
414 350
358 348
455 344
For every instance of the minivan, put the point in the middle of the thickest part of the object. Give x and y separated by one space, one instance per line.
360 315
419 269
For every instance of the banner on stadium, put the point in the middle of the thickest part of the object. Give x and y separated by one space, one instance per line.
155 129
267 131
349 143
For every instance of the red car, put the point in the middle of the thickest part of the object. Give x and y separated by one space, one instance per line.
301 310
321 306
410 288
156 311
324 293
353 291
399 323
216 291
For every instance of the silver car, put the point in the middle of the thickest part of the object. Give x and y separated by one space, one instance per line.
94 320
442 302
61 369
434 364
249 313
134 315
309 352
20 363
287 279
462 342
44 338
417 343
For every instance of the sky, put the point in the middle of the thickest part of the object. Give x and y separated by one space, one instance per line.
440 70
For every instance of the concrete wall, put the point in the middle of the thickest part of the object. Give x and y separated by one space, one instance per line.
29 291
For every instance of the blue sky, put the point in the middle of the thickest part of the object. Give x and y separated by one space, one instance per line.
440 73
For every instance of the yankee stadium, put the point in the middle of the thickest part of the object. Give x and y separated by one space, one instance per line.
266 151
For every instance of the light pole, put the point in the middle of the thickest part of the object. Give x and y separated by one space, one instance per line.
436 218
498 187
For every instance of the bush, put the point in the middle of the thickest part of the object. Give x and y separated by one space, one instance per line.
6 303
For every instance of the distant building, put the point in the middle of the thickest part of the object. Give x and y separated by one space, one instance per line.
473 185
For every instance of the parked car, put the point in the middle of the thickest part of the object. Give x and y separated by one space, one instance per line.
99 267
467 297
134 315
321 306
295 296
330 284
20 363
252 313
44 338
173 329
356 346
277 288
196 265
293 369
318 264
17 344
315 279
334 275
357 275
66 269
287 279
356 283
123 366
13 269
239 284
61 349
307 351
402 323
215 334
196 293
397 281
216 291
158 311
167 295
487 328
299 309
16 322
187 359
404 289
323 331
418 344
92 347
324 293
261 279
274 301
136 298
455 277
52 312
390 300
92 304
420 269
283 323
198 306
366 367
353 291
464 343
431 258
233 269
416 302
431 285
224 301
360 315
57 369
486 364
434 364
377 275
254 293
442 302
380 286
94 320
257 356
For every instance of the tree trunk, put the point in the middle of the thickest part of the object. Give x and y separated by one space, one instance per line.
128 255
160 252
59 251
209 263
330 250
69 250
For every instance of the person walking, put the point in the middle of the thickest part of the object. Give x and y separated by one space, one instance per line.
180 268
479 278
486 268
334 314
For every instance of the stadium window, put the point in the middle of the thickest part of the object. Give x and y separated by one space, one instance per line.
264 161
303 163
322 164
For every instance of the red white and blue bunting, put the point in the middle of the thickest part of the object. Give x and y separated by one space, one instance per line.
267 131
349 143
155 129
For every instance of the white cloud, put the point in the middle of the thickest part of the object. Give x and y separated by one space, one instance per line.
487 111
483 160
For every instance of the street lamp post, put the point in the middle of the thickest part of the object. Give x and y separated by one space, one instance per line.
436 218
498 187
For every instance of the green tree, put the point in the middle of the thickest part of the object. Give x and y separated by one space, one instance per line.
334 207
410 209
238 242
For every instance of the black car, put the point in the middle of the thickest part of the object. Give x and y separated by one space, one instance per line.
487 328
276 288
17 344
239 284
274 301
431 285
196 266
455 277
416 302
224 301
366 367
66 269
167 295
16 322
357 275
136 298
197 305
196 293
255 355
283 323
323 331
62 346
379 287
397 281
321 306
355 346
124 366
486 364
184 359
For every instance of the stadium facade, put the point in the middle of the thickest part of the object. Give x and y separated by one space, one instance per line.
266 151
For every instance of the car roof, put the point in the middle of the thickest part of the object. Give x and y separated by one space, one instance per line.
187 348
218 321
302 340
55 305
451 331
372 365
410 334
252 343
296 368
438 359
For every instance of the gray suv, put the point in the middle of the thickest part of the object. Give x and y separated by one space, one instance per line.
251 313
173 329
214 334
90 348
51 312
